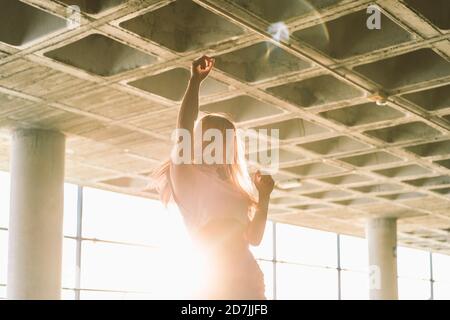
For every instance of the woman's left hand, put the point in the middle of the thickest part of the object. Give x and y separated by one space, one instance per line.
201 67
264 183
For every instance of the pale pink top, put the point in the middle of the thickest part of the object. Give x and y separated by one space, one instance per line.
202 195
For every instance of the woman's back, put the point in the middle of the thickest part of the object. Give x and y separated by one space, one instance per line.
204 194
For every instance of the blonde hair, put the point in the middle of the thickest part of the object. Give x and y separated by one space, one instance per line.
236 171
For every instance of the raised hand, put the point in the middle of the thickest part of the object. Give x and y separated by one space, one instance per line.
201 67
263 183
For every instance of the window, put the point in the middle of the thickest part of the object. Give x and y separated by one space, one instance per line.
303 282
70 209
69 265
413 263
3 256
112 216
441 267
353 253
117 267
441 291
441 275
4 199
413 268
67 294
354 285
413 289
135 248
113 295
265 249
306 246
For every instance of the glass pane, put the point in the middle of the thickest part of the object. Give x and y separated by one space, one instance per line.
2 292
301 282
4 199
69 265
166 273
413 289
306 246
354 285
118 267
441 291
265 249
70 209
3 256
441 267
413 263
113 216
354 253
112 295
267 269
67 294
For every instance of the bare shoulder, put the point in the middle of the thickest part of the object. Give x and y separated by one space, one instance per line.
182 175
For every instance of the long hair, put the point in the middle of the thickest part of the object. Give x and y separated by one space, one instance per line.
236 171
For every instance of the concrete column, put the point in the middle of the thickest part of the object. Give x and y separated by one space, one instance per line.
36 215
381 235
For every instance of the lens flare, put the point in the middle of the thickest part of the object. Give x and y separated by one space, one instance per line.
279 31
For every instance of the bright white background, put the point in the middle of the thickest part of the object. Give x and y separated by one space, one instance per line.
134 248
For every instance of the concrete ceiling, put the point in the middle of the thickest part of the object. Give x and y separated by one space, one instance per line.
113 85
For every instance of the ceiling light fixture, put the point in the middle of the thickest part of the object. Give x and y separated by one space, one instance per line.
379 97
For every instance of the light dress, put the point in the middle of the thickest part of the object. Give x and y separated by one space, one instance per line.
204 197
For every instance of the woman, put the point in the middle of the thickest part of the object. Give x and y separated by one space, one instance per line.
220 206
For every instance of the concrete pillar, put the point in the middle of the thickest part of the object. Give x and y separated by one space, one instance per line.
36 215
381 235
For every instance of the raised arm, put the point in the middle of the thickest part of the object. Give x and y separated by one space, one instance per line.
255 232
181 177
189 107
